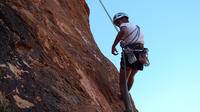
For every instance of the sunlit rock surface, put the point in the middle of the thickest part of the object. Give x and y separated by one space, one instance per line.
49 61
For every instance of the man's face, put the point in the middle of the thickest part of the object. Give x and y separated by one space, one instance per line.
118 22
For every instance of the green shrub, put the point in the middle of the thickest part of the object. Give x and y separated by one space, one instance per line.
4 106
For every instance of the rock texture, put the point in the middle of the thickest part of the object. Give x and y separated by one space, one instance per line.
49 61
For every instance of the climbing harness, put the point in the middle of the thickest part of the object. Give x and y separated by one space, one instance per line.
143 56
127 98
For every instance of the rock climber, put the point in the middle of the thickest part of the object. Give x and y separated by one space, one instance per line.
130 37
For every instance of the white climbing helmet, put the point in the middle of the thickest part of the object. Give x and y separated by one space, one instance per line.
119 16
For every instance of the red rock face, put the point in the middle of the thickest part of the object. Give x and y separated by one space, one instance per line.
49 61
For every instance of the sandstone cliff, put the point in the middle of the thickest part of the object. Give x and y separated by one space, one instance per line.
49 61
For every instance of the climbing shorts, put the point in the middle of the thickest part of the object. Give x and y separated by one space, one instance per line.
137 64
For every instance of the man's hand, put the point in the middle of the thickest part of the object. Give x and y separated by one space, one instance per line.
114 51
120 35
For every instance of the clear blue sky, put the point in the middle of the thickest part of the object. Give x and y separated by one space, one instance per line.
172 33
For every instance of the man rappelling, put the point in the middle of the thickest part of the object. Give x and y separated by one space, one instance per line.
131 40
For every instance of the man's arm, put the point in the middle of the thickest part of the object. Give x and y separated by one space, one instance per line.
122 33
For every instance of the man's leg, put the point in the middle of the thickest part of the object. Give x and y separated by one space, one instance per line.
130 84
131 79
122 85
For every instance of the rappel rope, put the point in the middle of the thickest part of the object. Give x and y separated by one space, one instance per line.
108 15
130 108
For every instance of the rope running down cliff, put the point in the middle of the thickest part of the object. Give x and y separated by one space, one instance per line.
108 15
130 108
